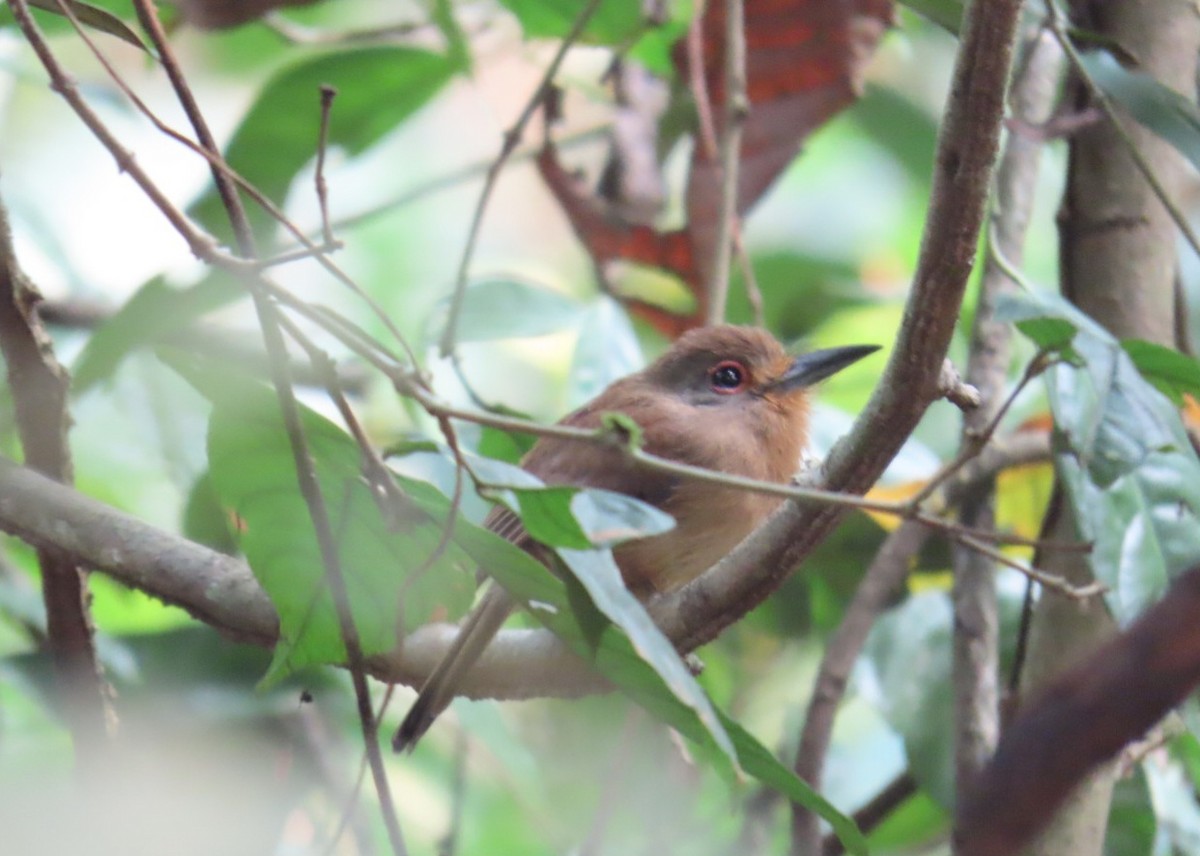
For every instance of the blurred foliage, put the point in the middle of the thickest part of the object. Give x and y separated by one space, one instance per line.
414 126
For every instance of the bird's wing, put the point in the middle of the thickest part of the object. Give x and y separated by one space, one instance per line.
555 461
439 690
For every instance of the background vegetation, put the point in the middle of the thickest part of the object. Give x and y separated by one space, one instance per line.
195 369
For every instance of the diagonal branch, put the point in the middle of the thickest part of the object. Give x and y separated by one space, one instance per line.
965 155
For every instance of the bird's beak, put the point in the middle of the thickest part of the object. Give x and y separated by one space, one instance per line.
815 366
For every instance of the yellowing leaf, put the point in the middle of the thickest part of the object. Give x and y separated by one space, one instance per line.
892 493
1022 494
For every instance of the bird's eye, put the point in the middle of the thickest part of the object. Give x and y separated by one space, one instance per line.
727 377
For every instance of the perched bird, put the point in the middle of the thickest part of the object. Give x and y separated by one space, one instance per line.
725 398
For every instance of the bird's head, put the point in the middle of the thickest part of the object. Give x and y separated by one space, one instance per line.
728 366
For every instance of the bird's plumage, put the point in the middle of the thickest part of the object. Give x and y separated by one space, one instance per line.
724 398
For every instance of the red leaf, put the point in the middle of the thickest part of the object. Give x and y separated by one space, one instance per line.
804 63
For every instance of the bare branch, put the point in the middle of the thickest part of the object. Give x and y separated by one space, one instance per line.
39 387
976 620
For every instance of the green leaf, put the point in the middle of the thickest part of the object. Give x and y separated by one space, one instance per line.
503 445
393 578
1161 109
1125 459
611 653
92 15
615 22
566 516
947 14
756 760
546 513
607 349
1132 826
1171 372
508 309
609 518
151 316
909 650
458 50
597 571
1051 334
378 88
205 521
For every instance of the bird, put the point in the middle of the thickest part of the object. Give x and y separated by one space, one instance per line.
725 398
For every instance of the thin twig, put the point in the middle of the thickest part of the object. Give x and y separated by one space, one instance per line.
463 174
974 441
893 795
737 107
328 93
270 323
1050 581
201 245
1059 27
511 139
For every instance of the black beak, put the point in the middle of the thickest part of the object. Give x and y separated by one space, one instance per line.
813 367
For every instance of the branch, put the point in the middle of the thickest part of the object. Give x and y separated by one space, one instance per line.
966 152
976 662
737 107
883 579
220 590
39 387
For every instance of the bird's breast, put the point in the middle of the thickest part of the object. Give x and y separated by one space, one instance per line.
709 522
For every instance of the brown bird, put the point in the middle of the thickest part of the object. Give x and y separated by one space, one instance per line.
723 398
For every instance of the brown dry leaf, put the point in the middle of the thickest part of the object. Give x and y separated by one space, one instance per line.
804 63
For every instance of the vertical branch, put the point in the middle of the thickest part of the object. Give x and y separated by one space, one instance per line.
976 623
1118 258
966 151
511 138
736 109
883 580
39 386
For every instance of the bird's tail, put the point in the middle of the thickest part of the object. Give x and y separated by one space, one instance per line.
441 687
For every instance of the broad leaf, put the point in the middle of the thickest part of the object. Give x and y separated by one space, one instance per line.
1125 459
508 309
151 316
616 21
607 349
598 573
1171 372
907 667
947 14
394 575
612 654
572 517
378 88
1163 110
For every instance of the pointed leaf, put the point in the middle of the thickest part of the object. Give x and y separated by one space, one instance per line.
1171 372
508 309
394 576
94 16
612 654
378 88
1161 109
149 317
598 573
1125 459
